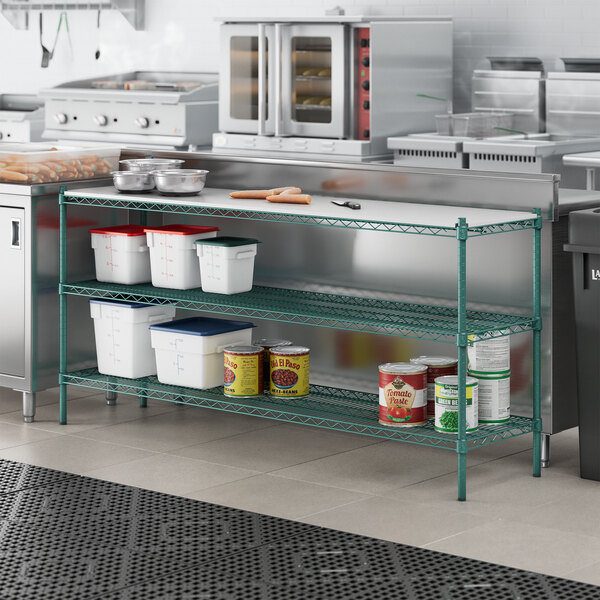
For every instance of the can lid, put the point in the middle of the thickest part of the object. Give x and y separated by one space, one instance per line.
228 241
402 368
128 230
271 343
243 349
435 361
290 350
181 229
453 380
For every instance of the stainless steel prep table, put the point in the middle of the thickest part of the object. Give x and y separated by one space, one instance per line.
29 262
588 160
496 269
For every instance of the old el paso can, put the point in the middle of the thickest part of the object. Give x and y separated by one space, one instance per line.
402 394
266 344
242 375
289 371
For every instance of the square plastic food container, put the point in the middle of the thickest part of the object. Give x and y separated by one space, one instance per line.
123 343
227 264
121 254
173 259
189 352
45 162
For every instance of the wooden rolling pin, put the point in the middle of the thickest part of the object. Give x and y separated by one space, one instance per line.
262 194
290 198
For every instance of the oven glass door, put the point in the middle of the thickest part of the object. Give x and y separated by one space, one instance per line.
314 79
242 59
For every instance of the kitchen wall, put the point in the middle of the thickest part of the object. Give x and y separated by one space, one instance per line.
183 34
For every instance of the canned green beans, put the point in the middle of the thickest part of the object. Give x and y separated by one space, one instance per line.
446 404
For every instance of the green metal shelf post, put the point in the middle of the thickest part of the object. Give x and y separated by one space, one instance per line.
143 221
462 233
63 306
537 346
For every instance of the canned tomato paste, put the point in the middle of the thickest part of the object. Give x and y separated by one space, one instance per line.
402 394
266 344
289 371
446 404
437 366
242 375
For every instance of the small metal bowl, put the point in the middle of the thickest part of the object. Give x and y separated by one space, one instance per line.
180 182
147 165
132 181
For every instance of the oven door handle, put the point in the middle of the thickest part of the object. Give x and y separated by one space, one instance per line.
277 79
262 80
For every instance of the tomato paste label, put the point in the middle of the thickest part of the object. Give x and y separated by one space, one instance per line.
402 398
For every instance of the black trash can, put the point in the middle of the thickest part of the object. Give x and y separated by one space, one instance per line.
584 243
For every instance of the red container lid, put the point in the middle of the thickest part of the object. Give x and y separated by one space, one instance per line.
181 229
128 230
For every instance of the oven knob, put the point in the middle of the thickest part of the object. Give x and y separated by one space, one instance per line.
365 61
142 122
366 105
60 118
0 135
101 120
365 84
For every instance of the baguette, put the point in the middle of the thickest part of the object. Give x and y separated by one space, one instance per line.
262 194
290 198
13 176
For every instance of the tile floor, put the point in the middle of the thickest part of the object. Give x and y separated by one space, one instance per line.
398 492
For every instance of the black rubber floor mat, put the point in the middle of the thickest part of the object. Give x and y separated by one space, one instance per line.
67 537
16 476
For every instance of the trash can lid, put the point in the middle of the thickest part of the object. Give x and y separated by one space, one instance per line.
120 303
202 326
181 229
229 241
129 230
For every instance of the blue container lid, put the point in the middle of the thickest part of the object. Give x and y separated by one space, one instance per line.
119 303
202 326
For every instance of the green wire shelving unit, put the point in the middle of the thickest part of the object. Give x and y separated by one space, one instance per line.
325 407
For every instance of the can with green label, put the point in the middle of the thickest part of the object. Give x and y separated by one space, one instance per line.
446 404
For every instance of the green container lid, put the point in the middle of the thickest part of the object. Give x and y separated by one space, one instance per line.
228 241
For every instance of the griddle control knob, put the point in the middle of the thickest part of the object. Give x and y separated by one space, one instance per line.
142 122
101 120
0 135
60 118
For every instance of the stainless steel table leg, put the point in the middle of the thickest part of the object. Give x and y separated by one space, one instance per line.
28 406
111 398
545 450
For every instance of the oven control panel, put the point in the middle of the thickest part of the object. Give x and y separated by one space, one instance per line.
364 84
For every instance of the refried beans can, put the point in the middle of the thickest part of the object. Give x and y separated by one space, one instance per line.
446 404
242 375
266 344
289 371
437 366
402 394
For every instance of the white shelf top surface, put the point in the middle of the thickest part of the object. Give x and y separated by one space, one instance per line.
377 211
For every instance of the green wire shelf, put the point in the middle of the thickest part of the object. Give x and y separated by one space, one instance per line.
330 408
420 321
202 207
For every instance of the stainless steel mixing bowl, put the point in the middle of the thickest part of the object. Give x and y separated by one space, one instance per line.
151 164
132 181
180 182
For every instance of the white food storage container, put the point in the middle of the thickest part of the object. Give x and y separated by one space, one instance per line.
123 345
121 254
173 254
189 352
226 264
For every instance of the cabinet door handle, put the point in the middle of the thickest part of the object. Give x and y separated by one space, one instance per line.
15 241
